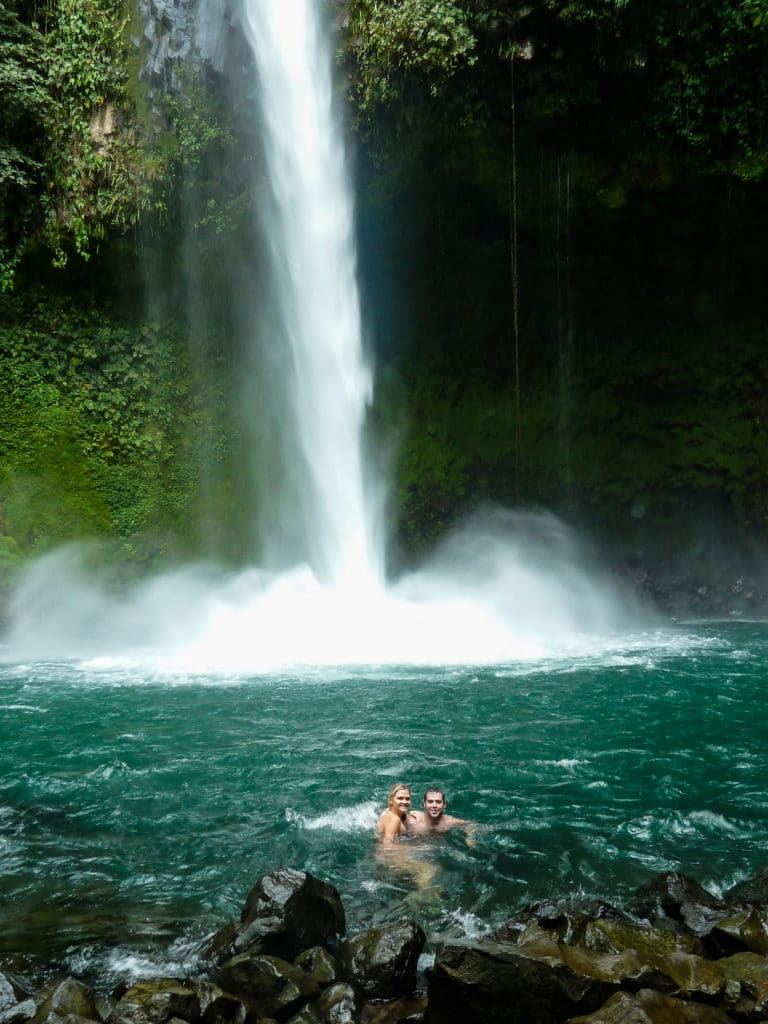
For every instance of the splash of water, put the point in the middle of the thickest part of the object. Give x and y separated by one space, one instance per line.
506 587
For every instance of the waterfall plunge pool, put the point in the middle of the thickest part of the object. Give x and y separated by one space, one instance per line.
137 808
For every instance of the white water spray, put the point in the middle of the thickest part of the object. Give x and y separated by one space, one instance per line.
508 586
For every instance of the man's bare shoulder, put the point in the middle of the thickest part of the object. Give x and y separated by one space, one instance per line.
450 822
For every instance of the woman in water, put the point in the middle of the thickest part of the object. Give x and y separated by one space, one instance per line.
394 821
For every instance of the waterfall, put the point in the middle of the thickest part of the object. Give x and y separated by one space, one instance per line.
309 221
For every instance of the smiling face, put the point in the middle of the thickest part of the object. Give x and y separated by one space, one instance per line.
434 804
400 800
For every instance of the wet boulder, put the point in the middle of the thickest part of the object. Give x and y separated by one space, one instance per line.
606 936
285 913
649 1007
562 919
267 985
337 1004
216 1005
19 1013
748 975
381 962
155 1001
672 899
67 998
743 930
500 983
406 1010
752 890
694 976
13 990
308 1014
73 997
319 965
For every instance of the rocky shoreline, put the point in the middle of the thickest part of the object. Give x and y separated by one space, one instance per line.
675 954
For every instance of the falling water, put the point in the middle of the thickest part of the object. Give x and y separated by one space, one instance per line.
310 227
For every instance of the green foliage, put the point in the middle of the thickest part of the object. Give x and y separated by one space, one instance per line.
103 427
82 152
429 37
597 76
652 422
85 58
24 102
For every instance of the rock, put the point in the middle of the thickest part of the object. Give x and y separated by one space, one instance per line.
73 997
648 1007
694 976
750 971
408 1010
217 1006
563 920
752 890
13 990
673 898
500 983
319 964
155 1001
337 1004
665 893
19 1013
286 913
8 995
68 998
747 930
653 943
308 1014
267 985
381 962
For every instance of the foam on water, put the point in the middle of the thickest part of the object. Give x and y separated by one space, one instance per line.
361 818
503 589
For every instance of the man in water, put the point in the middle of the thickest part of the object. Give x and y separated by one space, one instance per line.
433 819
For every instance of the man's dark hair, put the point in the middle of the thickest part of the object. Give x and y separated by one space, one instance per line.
434 789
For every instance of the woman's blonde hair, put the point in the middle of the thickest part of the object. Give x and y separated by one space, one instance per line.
395 788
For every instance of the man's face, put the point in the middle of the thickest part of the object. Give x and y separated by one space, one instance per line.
434 804
401 801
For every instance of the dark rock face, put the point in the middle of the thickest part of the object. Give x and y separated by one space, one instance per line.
19 1013
73 997
217 1006
381 962
286 913
319 964
182 31
560 961
338 1005
267 985
497 983
649 1007
744 929
752 890
673 897
156 1001
13 990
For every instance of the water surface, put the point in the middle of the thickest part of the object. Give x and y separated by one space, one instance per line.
136 810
